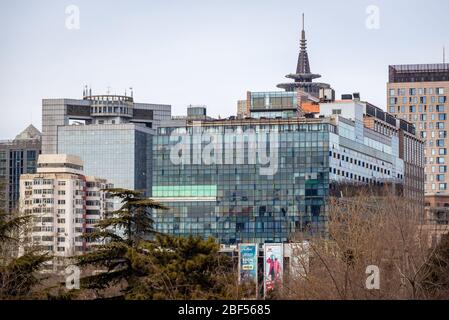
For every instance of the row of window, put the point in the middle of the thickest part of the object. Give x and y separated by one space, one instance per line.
421 100
441 186
413 91
420 109
363 164
354 176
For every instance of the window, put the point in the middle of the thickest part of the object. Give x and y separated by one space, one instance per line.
439 91
61 183
442 116
336 111
412 109
391 92
61 201
412 91
443 186
392 109
441 99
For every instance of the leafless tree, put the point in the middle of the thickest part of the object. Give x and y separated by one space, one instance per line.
362 231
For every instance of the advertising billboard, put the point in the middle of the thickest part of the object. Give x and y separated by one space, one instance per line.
248 263
273 271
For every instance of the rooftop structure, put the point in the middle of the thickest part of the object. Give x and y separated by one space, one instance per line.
303 77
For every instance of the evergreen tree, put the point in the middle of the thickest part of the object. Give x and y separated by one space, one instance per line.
122 233
18 276
158 267
187 268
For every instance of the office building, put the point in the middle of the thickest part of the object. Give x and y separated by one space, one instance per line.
64 204
411 147
17 156
111 133
219 179
418 93
236 202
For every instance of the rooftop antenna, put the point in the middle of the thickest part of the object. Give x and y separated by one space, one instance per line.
131 88
444 54
109 90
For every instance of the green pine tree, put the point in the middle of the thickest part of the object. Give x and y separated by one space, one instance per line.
18 275
122 233
186 268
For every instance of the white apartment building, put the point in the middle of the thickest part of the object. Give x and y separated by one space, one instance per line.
63 204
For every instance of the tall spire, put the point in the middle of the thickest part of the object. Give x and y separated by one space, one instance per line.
303 66
303 78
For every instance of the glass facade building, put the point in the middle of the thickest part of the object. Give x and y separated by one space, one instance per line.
235 203
121 152
111 133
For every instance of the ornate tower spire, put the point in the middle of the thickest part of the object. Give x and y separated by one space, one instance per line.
303 78
303 66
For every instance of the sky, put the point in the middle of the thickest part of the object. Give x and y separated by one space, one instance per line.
208 52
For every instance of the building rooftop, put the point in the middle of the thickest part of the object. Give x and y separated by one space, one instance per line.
52 163
29 133
419 72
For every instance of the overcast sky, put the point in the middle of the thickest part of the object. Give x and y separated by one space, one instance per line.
204 52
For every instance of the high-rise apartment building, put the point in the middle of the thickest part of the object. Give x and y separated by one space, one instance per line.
112 134
64 204
242 109
419 94
17 157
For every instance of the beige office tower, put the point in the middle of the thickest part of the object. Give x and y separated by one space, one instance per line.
419 93
64 204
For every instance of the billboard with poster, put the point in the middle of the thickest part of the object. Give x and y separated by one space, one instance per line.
273 270
248 262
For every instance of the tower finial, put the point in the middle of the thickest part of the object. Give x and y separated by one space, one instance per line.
303 21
